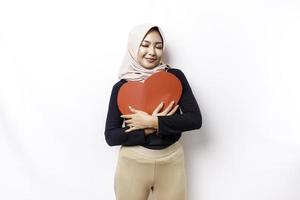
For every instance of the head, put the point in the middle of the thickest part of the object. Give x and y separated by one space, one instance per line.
150 51
144 55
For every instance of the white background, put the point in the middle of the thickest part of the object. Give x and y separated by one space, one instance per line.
60 58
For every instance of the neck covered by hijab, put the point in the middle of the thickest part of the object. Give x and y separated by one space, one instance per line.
130 69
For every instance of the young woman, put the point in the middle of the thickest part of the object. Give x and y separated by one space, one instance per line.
151 156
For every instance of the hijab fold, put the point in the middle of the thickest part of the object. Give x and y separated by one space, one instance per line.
130 69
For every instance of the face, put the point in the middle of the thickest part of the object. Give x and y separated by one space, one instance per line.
150 50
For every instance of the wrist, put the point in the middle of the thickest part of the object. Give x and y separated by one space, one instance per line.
154 122
149 131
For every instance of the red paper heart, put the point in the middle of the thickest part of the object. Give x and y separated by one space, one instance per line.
159 87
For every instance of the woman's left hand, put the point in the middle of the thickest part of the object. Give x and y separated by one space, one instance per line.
138 120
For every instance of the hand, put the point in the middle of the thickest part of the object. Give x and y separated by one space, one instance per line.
167 111
138 120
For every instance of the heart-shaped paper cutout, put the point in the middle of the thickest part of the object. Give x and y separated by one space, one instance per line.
159 87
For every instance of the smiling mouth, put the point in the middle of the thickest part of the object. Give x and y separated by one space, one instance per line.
150 59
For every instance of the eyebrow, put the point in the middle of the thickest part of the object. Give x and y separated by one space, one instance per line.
150 42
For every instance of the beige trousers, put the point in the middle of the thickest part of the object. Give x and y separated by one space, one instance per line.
140 170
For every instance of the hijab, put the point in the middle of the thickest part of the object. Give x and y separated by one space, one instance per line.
130 69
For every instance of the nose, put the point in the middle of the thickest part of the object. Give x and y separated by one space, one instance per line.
152 51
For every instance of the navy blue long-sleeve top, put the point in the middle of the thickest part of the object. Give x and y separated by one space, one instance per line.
187 117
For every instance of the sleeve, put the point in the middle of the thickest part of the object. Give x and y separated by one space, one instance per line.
114 132
189 119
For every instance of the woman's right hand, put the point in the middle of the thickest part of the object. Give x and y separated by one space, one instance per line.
166 112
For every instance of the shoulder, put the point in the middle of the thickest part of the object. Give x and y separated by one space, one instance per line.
174 70
117 85
178 73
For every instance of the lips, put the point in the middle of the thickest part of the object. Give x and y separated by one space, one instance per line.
150 59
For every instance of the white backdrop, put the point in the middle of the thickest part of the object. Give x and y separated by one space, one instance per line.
60 58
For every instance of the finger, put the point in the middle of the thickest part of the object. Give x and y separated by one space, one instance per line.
168 108
157 109
129 121
132 109
126 116
173 110
130 129
135 110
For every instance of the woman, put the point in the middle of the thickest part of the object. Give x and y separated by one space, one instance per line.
150 157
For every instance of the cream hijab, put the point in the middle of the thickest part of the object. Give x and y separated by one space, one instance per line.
130 69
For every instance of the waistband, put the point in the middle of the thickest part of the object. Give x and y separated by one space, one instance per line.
152 152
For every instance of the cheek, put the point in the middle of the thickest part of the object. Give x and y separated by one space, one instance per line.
159 54
140 56
141 53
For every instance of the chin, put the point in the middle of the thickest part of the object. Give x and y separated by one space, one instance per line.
149 66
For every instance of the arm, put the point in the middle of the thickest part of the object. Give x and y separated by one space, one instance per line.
114 132
190 118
